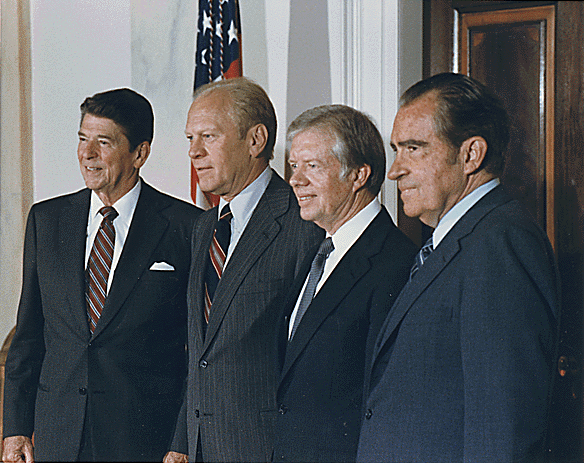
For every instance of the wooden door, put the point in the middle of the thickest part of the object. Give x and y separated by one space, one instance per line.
532 55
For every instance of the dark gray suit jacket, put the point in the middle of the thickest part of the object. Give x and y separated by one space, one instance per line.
321 385
126 377
230 397
463 365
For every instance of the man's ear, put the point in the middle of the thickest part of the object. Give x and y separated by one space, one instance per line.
257 138
360 176
141 154
474 150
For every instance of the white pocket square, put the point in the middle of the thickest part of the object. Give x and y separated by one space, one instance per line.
162 266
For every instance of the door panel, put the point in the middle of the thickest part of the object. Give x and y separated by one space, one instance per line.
532 55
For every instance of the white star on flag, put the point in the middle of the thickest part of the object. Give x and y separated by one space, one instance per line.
206 22
232 33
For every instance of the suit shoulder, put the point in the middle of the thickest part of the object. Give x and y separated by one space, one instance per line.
395 241
175 207
51 205
509 218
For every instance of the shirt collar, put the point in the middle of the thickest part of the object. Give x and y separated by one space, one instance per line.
124 206
459 209
243 205
350 231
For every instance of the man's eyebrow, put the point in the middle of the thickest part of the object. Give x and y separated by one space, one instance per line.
107 137
413 142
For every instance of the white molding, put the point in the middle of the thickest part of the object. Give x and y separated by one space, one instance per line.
277 29
363 37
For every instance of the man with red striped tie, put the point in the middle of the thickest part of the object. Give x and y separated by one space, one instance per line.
246 252
97 364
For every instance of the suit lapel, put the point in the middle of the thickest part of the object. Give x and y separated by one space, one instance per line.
260 231
72 231
354 264
441 257
144 234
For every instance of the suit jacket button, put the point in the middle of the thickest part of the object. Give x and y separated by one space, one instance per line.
203 364
82 391
368 414
283 409
197 413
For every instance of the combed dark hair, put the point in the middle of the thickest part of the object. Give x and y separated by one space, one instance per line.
130 110
358 140
466 108
250 105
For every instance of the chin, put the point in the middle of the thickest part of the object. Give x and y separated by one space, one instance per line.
305 215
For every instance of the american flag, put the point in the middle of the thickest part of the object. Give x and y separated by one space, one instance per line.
218 56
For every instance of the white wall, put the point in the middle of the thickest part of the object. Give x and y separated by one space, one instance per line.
295 49
78 48
303 52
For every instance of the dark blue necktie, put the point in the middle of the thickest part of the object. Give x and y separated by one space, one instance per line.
422 255
316 270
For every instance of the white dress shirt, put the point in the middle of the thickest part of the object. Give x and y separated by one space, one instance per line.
459 209
242 207
343 239
125 207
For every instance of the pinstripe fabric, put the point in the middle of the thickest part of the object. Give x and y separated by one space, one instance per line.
99 266
230 400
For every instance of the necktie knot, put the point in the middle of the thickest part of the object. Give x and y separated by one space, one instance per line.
427 249
326 247
422 255
226 214
109 213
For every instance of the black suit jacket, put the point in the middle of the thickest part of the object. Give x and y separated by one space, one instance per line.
230 399
463 364
126 377
320 391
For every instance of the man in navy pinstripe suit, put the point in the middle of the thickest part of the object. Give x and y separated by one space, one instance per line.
229 408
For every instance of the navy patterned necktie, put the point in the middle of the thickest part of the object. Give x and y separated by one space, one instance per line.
422 255
99 266
316 270
217 255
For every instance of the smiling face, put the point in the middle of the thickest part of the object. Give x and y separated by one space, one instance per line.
325 197
429 173
107 165
225 162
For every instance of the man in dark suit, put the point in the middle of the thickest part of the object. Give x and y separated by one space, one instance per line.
245 256
337 160
97 364
463 365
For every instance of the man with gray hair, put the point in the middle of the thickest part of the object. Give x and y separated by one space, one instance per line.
342 296
463 365
246 253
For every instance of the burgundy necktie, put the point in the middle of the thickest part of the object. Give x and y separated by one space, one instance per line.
217 255
99 266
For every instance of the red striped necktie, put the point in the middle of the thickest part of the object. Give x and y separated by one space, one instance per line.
217 255
99 266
